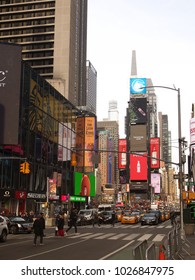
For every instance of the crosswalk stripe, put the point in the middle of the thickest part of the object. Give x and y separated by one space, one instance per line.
145 237
80 235
131 236
104 236
158 237
92 235
115 237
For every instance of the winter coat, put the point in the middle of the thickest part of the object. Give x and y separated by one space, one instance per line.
38 227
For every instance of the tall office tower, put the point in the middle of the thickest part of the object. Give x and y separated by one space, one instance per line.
113 114
53 35
91 88
152 109
133 64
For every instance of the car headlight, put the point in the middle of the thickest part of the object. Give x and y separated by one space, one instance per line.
19 225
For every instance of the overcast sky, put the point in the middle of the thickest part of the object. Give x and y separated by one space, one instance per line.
163 34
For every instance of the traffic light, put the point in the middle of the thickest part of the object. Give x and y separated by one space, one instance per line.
73 159
22 167
27 169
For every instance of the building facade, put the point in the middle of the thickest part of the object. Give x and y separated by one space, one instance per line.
53 36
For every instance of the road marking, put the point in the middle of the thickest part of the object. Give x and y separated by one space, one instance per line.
116 251
115 237
169 226
104 236
158 237
145 237
80 235
131 236
92 235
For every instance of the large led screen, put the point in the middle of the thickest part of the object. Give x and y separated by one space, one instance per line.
138 139
138 167
155 152
122 148
138 110
84 185
10 77
155 182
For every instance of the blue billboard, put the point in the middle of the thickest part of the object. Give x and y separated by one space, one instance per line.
137 85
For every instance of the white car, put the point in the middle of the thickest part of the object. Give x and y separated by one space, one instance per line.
3 229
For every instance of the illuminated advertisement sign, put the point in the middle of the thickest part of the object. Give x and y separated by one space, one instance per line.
137 86
138 110
85 142
138 167
155 182
138 138
122 148
155 152
84 185
10 78
192 131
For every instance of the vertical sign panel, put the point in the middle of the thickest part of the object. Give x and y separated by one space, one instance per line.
138 167
10 77
155 152
122 153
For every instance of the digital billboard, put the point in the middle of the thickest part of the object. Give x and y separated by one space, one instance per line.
122 148
138 110
192 131
137 86
138 167
155 152
84 185
85 142
138 139
10 78
155 182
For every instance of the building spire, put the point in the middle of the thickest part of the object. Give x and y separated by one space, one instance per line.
133 64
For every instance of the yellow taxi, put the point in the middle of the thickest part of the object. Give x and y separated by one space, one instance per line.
129 218
119 215
167 215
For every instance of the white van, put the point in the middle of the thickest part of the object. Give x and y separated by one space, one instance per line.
106 207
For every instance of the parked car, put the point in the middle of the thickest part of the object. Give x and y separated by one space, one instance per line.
19 225
149 219
3 229
129 218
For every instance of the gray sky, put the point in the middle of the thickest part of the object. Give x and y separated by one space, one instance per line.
162 33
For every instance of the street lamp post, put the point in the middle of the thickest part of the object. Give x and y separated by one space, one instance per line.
180 154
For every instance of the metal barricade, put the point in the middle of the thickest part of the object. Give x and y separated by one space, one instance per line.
139 251
151 252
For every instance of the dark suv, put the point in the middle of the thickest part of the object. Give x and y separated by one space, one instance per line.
3 229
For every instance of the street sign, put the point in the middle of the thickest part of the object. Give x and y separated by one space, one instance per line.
189 183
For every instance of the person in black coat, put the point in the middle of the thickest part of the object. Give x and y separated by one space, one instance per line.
38 227
60 225
72 220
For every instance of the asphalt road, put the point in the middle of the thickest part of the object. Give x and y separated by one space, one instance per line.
91 243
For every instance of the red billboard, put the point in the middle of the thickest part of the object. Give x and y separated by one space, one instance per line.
122 148
138 167
155 152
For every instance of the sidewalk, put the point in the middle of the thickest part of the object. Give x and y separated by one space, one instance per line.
188 248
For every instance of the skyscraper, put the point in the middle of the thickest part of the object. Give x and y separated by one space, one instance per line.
53 35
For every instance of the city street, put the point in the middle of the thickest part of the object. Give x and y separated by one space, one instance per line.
89 244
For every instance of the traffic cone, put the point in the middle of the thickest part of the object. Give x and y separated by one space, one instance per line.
161 252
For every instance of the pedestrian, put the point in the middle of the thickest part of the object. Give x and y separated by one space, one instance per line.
38 227
60 225
113 218
43 222
56 225
72 220
172 216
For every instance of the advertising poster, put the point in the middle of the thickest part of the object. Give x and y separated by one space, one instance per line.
138 138
137 86
84 185
155 152
138 167
155 182
122 153
138 110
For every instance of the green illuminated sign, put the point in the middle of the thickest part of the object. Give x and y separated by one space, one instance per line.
78 198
